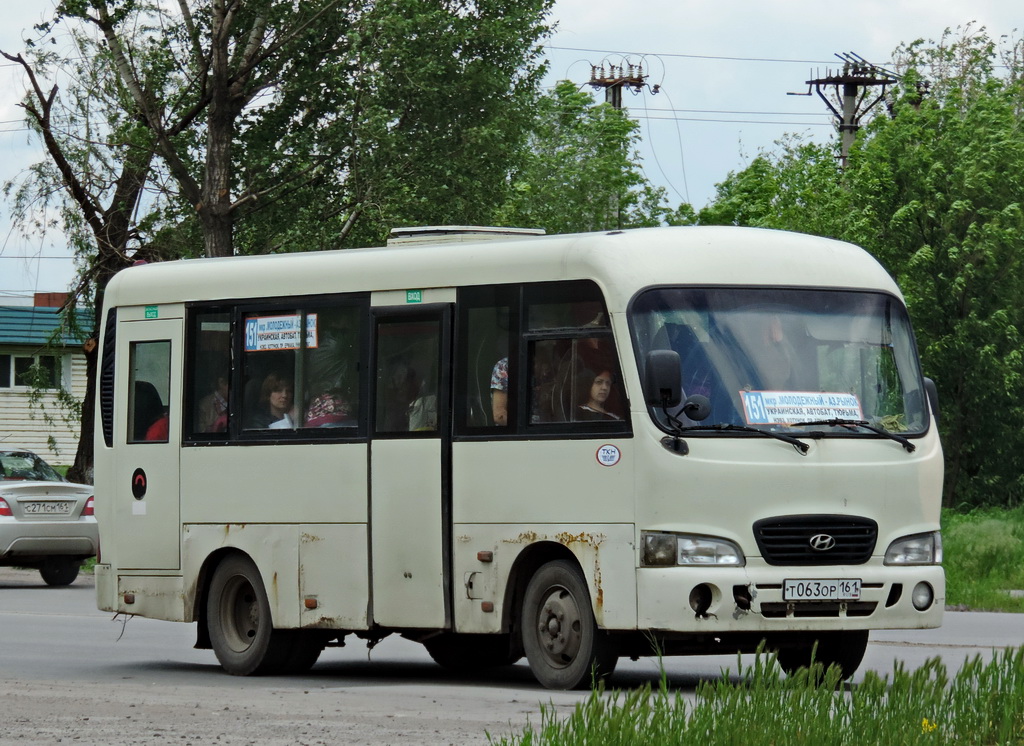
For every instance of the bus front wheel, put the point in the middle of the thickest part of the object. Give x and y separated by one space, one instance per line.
239 623
565 648
844 649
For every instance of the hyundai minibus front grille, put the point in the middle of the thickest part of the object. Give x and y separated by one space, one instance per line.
816 539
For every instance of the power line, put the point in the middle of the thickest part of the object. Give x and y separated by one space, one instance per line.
691 56
735 111
730 121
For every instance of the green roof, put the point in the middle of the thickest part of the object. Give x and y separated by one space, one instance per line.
27 325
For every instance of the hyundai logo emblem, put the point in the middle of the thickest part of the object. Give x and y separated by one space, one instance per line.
822 542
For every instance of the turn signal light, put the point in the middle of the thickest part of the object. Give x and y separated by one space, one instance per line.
89 508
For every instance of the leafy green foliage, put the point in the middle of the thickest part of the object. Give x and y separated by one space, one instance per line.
984 558
935 193
581 170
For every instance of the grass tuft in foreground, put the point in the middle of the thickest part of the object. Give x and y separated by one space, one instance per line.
984 558
982 704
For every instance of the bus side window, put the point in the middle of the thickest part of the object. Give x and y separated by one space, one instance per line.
209 371
574 368
407 376
149 384
490 395
576 380
332 370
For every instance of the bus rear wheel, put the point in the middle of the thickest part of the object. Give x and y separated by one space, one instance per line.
844 649
565 648
238 620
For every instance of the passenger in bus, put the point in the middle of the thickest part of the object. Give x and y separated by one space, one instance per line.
773 359
499 392
213 409
275 408
329 409
150 417
331 373
596 395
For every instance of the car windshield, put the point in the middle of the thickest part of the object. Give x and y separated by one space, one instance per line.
22 465
787 360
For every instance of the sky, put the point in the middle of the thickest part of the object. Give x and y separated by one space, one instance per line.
724 72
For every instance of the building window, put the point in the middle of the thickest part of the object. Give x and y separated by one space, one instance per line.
30 371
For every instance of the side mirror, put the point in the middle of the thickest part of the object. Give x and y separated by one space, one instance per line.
662 376
697 407
933 398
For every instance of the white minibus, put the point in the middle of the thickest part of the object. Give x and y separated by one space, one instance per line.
502 444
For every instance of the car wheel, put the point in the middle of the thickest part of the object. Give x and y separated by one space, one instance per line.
565 648
59 570
843 649
239 622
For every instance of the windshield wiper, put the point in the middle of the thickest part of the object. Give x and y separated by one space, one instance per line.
725 427
840 422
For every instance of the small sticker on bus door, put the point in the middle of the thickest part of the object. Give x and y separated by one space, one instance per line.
608 455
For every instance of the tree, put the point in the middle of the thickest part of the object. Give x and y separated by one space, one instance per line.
268 110
102 172
581 171
277 122
433 104
934 192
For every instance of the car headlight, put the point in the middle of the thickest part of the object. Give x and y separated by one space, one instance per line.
661 549
918 549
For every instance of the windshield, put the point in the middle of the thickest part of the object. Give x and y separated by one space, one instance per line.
22 465
771 358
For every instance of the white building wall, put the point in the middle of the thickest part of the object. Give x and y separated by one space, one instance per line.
27 424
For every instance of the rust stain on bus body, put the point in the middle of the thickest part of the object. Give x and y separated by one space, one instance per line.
526 537
591 543
590 540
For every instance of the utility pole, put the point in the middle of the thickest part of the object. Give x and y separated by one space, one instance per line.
855 82
616 77
613 78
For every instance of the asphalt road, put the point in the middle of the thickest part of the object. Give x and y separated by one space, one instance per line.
70 672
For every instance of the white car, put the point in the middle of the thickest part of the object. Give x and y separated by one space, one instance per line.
46 522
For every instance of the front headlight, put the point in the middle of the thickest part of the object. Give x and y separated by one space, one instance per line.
661 549
919 549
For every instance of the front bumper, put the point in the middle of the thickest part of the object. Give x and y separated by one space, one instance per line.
749 599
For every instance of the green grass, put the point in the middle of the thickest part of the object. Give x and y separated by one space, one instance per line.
984 558
983 703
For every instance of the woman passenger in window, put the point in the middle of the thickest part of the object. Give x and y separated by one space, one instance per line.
596 391
275 406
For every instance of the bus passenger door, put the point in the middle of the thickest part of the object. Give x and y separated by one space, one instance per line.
148 433
410 523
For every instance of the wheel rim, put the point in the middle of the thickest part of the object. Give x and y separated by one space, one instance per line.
559 627
240 614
